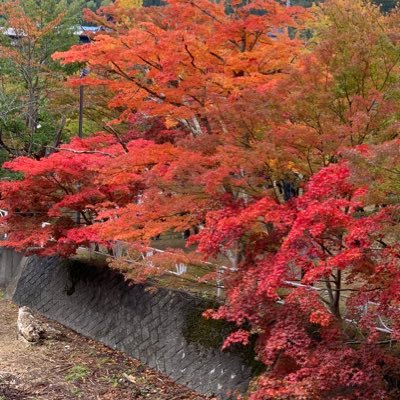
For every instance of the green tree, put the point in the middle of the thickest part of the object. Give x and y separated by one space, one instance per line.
34 104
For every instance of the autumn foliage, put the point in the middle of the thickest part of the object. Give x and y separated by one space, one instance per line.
275 130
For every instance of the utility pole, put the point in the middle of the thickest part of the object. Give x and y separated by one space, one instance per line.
80 127
84 72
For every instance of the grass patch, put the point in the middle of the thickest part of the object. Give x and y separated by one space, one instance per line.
113 380
2 297
77 392
76 373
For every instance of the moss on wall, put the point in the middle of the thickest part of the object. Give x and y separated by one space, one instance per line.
206 332
211 333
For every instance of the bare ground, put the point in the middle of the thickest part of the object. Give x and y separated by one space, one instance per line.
74 368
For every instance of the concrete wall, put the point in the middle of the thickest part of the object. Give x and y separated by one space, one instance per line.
148 326
11 266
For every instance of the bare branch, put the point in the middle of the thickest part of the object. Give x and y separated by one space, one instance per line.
84 151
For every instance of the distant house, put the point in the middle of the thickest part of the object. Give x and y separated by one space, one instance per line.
13 34
82 31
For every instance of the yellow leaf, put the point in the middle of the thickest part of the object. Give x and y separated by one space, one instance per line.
170 122
130 3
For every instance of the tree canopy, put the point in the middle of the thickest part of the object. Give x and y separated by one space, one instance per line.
33 100
278 147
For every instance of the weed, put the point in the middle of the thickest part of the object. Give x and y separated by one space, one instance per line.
76 373
76 392
113 380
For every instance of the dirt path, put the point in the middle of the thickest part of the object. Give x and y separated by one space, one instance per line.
74 368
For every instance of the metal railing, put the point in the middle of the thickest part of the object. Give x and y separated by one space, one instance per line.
121 250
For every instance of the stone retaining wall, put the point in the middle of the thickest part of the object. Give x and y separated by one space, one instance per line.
149 326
